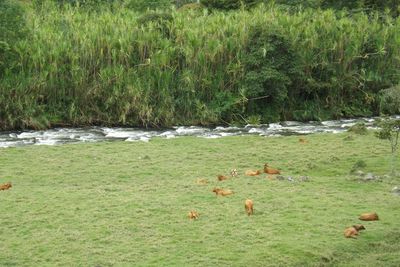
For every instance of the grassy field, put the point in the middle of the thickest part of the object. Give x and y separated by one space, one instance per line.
126 204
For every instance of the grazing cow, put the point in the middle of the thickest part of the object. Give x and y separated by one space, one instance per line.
193 214
248 205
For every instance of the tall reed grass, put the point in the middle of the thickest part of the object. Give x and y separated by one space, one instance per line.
111 68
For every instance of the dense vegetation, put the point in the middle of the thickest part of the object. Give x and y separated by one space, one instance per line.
355 5
92 63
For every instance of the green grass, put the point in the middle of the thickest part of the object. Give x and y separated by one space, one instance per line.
126 204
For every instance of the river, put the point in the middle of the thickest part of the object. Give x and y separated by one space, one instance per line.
59 136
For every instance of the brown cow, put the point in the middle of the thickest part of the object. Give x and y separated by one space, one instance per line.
5 186
222 192
370 216
222 177
193 214
252 173
269 170
248 205
352 232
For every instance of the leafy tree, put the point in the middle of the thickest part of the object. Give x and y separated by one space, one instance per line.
390 130
270 67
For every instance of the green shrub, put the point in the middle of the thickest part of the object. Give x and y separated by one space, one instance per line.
390 100
254 120
390 130
340 4
297 3
358 128
192 6
180 3
392 5
143 5
86 3
161 20
6 56
360 164
156 17
228 4
366 5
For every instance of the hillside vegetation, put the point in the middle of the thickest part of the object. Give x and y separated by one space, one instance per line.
64 64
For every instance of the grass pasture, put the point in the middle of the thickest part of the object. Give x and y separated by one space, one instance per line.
126 204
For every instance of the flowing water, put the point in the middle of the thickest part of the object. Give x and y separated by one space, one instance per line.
60 136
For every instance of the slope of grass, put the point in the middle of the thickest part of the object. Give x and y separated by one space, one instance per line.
125 204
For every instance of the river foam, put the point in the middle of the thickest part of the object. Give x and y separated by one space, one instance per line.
60 136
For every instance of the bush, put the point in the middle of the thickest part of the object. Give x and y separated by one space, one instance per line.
390 130
359 164
392 5
156 17
228 4
358 128
6 55
143 5
367 5
86 3
180 3
161 19
254 120
390 100
298 3
192 6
